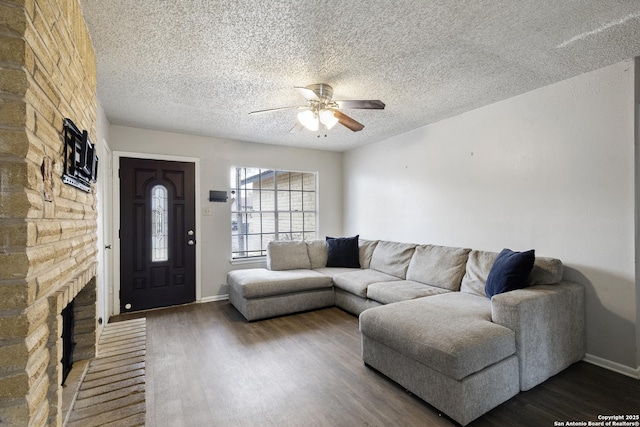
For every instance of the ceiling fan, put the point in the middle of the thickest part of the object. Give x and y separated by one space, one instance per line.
321 109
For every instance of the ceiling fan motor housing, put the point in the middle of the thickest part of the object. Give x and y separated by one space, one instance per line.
322 91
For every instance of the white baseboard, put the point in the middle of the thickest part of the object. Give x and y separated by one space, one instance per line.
613 366
214 298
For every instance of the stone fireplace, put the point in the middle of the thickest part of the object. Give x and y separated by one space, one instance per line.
48 230
84 332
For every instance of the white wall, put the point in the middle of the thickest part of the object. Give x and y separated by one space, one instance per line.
552 169
217 157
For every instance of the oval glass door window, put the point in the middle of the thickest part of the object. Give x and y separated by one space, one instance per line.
159 224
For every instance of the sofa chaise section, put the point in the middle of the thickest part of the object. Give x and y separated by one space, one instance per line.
428 346
297 278
446 350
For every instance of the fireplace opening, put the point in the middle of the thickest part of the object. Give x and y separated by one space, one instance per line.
67 340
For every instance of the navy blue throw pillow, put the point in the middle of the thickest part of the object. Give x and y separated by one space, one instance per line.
509 272
343 252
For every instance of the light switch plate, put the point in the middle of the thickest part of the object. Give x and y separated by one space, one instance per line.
207 212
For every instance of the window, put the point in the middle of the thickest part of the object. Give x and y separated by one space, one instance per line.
270 205
159 224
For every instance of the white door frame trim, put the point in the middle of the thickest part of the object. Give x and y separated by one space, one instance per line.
105 228
116 218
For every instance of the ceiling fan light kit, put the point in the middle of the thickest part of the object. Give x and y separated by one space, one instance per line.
322 109
309 119
327 118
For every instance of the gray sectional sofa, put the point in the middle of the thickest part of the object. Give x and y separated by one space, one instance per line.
425 320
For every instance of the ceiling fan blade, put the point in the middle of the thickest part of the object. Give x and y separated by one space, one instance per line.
274 109
297 127
308 94
347 121
366 104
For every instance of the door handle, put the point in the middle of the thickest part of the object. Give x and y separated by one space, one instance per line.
191 242
107 246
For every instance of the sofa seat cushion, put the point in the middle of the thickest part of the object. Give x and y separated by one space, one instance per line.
332 271
451 333
357 281
260 282
401 290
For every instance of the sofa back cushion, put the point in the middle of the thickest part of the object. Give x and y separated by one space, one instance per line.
439 266
366 251
546 271
476 271
317 250
392 258
287 255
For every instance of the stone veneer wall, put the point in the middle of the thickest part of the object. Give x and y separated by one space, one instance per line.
47 229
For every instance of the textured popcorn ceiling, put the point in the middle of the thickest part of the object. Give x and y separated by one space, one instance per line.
200 66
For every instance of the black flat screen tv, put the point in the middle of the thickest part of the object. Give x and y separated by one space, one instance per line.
80 158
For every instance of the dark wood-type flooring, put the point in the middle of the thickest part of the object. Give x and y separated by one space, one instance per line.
207 366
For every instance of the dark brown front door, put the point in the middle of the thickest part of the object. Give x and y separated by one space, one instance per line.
157 233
